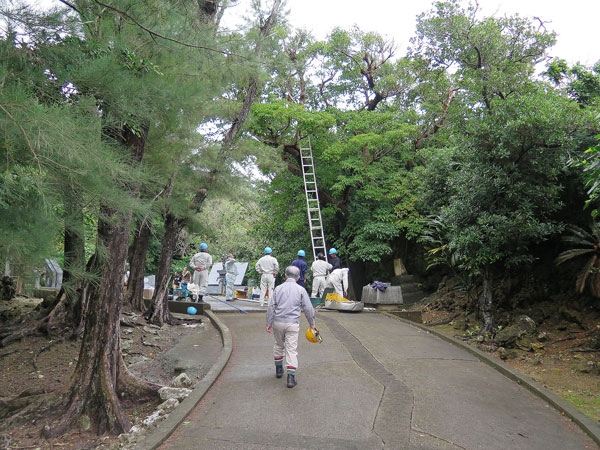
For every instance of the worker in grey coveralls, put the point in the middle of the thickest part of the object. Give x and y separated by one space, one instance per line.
338 280
230 275
283 318
268 267
319 268
201 263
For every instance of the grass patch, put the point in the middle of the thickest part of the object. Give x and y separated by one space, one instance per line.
585 401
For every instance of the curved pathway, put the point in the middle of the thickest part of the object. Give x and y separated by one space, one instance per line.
375 383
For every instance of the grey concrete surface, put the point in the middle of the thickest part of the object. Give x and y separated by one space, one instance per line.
375 383
176 418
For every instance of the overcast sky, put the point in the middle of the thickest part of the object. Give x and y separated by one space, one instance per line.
575 21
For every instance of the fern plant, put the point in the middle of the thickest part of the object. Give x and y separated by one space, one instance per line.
585 243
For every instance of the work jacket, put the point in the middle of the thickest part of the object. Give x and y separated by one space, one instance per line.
230 267
267 264
201 260
320 268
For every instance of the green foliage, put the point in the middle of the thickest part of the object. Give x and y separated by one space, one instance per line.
504 191
584 243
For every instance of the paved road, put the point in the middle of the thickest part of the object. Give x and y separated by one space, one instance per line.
375 383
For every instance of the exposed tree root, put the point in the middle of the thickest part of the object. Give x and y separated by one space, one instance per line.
26 407
18 335
43 349
10 352
133 387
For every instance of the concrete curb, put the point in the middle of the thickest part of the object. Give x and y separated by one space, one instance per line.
589 426
165 428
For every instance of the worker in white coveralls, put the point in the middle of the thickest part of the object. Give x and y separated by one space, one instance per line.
319 268
268 267
230 275
338 280
283 319
201 263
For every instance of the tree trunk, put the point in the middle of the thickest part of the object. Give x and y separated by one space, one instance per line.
74 246
135 284
92 389
100 369
160 314
486 304
357 278
66 313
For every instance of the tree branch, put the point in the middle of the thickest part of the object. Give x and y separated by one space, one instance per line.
154 33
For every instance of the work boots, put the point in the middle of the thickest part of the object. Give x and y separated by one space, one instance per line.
291 381
278 371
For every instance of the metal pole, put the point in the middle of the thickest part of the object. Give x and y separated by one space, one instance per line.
228 304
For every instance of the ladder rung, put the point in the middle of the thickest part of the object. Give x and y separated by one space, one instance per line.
313 209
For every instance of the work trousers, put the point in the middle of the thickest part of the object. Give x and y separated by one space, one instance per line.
201 279
338 286
286 342
230 279
318 286
267 281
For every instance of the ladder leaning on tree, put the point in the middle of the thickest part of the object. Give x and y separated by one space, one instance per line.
313 206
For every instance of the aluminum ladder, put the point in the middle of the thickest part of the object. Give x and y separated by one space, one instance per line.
313 206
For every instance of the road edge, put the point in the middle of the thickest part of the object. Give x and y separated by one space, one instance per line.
165 428
589 426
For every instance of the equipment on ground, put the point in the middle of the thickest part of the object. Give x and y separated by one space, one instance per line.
301 253
203 246
339 303
332 251
192 311
313 336
268 250
313 206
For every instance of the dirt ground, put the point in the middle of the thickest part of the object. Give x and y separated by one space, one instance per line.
561 364
23 367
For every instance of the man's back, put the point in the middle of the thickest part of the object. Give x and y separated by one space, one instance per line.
302 266
320 268
267 264
288 301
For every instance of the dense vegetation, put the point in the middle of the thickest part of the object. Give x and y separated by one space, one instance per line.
132 131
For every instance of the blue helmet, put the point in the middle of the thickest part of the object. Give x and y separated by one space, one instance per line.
332 251
301 253
268 250
191 310
203 246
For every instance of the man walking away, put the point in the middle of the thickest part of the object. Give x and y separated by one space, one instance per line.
319 268
338 280
201 263
230 275
283 318
302 266
334 260
268 267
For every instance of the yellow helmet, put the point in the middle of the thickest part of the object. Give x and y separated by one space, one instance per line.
313 336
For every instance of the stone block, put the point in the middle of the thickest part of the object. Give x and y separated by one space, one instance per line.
181 381
176 393
391 296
